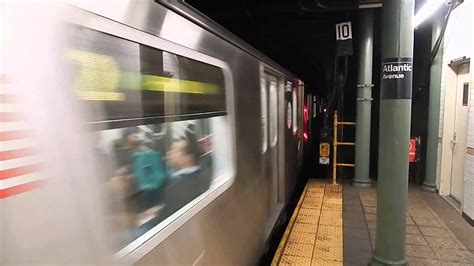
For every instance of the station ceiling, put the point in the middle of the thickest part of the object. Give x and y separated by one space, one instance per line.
299 35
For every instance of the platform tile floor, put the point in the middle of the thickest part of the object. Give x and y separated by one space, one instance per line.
335 225
314 233
430 240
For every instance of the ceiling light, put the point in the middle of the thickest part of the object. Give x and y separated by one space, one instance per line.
426 11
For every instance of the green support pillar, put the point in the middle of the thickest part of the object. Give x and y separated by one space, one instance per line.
433 109
394 132
364 99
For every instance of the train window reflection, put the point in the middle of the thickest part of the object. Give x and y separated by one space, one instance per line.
273 114
150 175
263 95
166 134
295 111
314 107
128 79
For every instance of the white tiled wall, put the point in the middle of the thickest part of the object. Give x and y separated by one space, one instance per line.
468 205
441 113
443 90
458 42
470 126
438 165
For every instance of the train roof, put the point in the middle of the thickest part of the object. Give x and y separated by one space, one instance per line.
207 23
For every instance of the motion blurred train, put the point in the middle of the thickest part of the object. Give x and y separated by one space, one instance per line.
141 132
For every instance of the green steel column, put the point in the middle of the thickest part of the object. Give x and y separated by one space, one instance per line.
394 132
433 109
364 98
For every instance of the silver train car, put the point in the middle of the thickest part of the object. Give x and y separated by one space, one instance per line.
164 139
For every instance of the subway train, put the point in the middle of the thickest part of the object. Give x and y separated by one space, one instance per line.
148 134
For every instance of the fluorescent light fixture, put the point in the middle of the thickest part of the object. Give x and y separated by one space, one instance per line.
426 11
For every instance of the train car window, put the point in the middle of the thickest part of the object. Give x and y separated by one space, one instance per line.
314 107
163 136
308 101
300 106
273 106
295 111
263 95
121 79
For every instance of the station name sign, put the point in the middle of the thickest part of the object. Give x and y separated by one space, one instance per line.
397 75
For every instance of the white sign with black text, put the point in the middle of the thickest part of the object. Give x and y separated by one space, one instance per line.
344 31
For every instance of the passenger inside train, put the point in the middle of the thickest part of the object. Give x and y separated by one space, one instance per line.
151 178
157 114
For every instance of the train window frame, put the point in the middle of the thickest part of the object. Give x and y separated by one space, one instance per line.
314 106
153 237
273 113
303 102
264 113
295 110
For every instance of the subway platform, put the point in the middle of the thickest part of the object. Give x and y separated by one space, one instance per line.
335 225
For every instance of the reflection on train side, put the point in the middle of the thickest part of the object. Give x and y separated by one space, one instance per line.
151 171
162 114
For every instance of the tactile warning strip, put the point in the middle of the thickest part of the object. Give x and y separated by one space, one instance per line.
314 233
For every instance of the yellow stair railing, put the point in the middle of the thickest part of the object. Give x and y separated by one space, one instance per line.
336 143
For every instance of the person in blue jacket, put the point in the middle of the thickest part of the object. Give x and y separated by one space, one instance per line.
147 172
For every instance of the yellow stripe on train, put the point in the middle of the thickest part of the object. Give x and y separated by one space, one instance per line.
99 78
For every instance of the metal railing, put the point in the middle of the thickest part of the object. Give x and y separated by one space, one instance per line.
336 143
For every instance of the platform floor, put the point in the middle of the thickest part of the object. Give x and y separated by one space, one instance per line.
314 233
335 225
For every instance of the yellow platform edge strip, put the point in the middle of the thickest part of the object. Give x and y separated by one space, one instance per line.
335 244
284 239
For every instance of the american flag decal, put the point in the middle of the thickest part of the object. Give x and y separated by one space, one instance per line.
19 163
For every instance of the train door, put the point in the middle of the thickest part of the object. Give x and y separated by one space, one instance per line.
458 141
270 117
